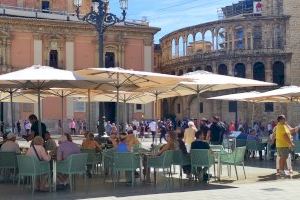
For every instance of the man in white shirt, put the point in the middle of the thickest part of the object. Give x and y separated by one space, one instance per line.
153 128
10 145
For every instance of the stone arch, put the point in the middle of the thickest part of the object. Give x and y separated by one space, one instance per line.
240 70
208 41
180 72
181 47
198 42
209 68
222 69
278 73
259 71
198 68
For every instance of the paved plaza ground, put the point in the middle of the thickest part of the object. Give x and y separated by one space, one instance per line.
261 183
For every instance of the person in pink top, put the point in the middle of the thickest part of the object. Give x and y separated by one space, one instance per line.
72 126
37 150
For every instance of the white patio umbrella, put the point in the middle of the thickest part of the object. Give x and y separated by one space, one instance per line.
207 81
284 94
39 78
129 80
15 96
239 97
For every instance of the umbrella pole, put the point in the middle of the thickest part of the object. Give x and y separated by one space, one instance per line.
39 112
156 106
198 108
252 117
118 109
12 110
124 115
89 109
62 114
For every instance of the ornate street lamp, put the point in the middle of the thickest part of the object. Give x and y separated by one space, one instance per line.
100 17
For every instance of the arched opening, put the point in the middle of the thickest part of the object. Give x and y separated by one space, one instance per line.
172 73
190 70
181 46
165 107
53 58
109 59
198 43
180 72
278 73
221 39
259 71
240 70
174 48
208 68
189 45
208 41
198 68
222 69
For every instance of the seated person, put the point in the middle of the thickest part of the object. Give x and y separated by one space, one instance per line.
90 143
201 143
64 150
114 140
182 147
4 138
37 150
122 146
50 144
131 140
10 144
69 137
170 143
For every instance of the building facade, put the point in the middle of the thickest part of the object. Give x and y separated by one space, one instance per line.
48 33
263 44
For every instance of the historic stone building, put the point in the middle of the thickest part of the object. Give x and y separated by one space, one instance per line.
48 33
263 44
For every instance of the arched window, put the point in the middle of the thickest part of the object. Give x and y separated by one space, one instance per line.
259 71
240 70
222 69
109 59
190 45
257 37
53 58
278 73
239 37
181 47
174 49
208 68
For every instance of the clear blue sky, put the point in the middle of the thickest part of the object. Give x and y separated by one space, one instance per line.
171 15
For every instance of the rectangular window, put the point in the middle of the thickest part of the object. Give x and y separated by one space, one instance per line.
45 6
138 107
178 108
79 107
27 107
232 106
201 110
269 107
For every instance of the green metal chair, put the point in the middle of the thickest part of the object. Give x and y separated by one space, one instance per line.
241 142
297 146
75 164
107 160
93 158
235 158
125 162
254 145
30 166
201 158
8 161
181 159
163 162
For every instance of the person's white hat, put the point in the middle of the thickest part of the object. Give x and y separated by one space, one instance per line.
191 123
11 136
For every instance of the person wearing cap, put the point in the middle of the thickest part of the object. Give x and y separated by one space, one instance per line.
189 135
10 145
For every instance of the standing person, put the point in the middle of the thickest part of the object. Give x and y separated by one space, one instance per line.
284 142
163 132
72 126
142 130
204 128
231 127
27 126
189 135
153 128
34 130
217 130
19 127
